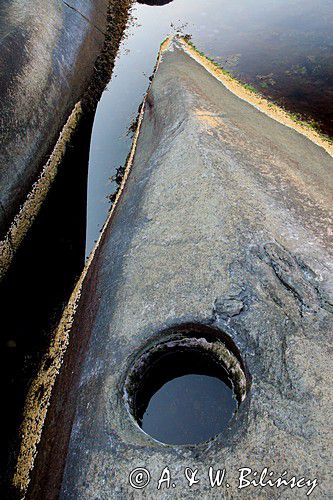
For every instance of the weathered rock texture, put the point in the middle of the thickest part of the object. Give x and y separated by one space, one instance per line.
224 221
47 55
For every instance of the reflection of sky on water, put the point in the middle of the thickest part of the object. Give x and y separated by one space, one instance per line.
284 48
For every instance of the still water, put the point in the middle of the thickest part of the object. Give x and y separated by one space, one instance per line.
185 397
189 409
284 48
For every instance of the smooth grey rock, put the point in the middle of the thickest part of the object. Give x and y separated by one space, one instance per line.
47 55
221 202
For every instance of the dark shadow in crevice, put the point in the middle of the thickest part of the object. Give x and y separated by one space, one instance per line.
157 3
37 288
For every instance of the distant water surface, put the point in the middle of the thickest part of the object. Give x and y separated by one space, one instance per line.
283 48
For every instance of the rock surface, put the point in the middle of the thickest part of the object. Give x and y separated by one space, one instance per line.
224 221
47 55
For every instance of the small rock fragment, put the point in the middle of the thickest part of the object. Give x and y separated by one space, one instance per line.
228 307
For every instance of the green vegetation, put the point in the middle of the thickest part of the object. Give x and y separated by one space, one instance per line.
163 42
249 87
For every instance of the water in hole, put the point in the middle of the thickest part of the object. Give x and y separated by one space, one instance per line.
189 409
282 48
185 398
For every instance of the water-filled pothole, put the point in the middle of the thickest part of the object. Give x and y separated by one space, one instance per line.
185 391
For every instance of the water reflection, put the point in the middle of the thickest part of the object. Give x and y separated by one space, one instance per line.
283 48
185 397
37 287
189 409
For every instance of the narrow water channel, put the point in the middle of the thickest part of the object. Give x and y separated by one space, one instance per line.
37 288
284 49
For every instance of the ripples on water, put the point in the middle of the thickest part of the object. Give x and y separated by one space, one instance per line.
284 48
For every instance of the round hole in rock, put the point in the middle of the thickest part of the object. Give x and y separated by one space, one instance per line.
185 391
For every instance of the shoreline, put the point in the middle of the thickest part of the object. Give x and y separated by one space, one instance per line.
252 97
